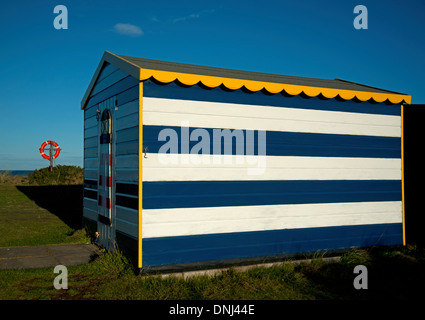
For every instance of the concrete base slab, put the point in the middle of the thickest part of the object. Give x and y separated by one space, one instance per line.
47 256
212 272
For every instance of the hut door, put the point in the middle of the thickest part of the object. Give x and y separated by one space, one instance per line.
106 223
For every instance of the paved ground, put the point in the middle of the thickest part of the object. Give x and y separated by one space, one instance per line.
47 256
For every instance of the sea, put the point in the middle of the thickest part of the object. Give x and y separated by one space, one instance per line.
18 172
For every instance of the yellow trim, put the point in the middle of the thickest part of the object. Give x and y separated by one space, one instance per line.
402 173
140 172
234 84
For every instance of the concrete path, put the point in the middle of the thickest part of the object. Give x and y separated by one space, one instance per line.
47 256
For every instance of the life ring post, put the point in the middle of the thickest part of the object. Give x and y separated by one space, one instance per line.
53 146
51 158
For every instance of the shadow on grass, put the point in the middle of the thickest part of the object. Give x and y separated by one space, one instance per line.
64 201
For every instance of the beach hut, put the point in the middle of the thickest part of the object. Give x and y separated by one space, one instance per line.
191 166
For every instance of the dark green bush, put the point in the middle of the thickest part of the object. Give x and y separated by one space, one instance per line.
60 175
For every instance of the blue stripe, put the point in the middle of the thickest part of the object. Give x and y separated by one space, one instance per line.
197 93
186 249
192 194
292 144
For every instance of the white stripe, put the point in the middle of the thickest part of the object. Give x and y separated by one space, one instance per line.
197 221
203 114
180 167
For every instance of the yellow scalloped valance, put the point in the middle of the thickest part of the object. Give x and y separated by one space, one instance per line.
234 84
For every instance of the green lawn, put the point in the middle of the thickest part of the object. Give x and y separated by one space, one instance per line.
37 215
396 274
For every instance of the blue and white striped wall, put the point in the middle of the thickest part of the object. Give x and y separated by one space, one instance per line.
332 178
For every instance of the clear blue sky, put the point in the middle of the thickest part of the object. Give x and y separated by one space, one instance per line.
45 72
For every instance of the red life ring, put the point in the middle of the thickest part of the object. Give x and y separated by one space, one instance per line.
55 147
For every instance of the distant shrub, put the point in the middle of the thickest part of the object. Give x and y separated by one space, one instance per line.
7 178
59 175
4 175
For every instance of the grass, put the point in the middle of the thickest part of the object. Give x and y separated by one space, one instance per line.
31 214
23 222
396 273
